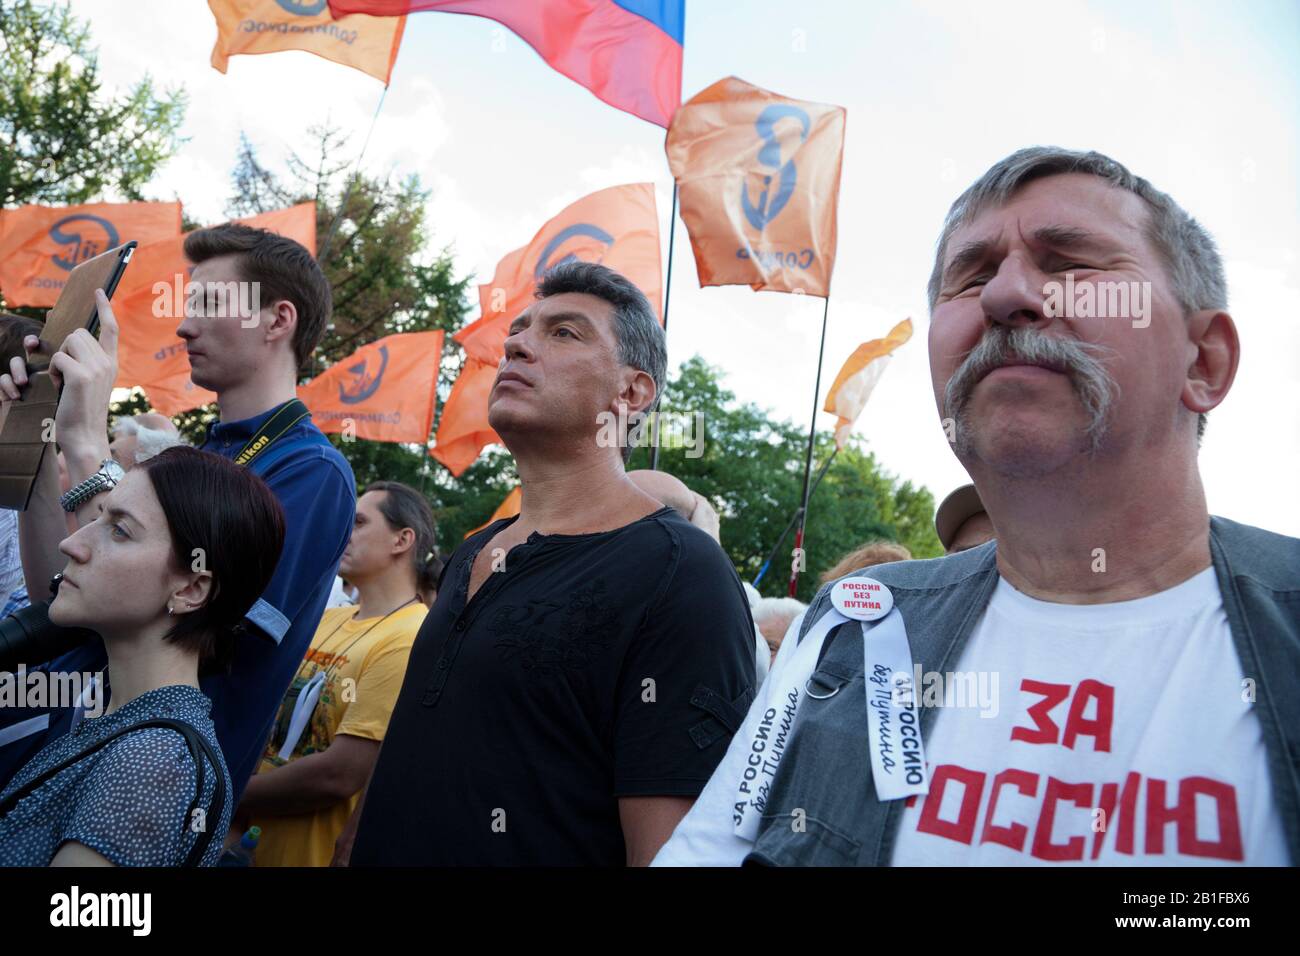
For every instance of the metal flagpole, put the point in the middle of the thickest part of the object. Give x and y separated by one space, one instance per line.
821 473
668 289
807 468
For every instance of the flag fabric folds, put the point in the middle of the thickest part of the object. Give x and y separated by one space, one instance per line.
853 385
368 44
384 391
617 227
463 430
150 306
758 179
627 52
176 393
40 245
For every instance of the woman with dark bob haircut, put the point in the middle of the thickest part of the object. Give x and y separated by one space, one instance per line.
180 551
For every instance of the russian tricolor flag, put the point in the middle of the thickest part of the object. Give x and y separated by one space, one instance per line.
627 52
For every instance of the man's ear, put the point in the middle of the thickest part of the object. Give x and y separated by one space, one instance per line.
1214 336
404 542
637 390
193 594
280 321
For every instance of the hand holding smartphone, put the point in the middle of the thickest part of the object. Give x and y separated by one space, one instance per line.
76 307
25 422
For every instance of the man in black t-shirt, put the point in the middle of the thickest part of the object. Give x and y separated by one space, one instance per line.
586 662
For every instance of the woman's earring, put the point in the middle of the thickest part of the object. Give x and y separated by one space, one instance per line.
169 610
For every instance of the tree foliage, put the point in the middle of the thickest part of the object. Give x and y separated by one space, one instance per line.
62 139
751 468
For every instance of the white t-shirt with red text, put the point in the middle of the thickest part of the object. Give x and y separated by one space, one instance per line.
1123 734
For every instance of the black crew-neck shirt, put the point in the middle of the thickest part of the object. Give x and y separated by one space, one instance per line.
587 668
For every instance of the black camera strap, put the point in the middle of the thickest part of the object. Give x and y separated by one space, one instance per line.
199 748
285 417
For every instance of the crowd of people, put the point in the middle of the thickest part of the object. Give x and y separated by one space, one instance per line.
589 682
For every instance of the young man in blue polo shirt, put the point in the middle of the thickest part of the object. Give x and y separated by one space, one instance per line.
251 361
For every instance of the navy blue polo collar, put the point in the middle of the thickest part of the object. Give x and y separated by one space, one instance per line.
228 433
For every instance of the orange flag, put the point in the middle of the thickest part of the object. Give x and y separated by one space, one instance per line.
386 390
853 386
176 393
617 227
758 179
368 44
464 428
150 305
507 509
40 245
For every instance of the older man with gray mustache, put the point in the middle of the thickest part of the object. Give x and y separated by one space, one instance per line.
1145 653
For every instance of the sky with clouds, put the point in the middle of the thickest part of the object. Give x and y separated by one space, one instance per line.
1201 98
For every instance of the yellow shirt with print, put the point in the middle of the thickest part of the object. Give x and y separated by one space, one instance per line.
365 662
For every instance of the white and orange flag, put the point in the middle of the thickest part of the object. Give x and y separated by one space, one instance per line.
758 179
384 391
857 379
150 306
40 245
617 227
368 44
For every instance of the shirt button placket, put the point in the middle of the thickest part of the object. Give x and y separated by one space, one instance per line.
434 691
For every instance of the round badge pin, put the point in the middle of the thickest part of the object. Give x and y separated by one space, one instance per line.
862 599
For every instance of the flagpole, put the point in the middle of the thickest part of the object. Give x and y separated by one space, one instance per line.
668 289
795 517
807 468
329 235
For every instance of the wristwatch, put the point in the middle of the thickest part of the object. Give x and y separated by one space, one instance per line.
109 474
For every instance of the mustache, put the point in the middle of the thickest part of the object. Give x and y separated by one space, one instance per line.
1081 361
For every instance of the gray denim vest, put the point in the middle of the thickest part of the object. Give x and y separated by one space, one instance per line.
827 770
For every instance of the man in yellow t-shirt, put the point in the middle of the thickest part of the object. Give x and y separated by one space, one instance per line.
335 713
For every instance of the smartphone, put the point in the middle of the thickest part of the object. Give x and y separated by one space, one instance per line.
109 287
76 308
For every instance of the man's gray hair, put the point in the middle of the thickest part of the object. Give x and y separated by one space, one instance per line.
154 441
1189 252
770 608
638 332
149 441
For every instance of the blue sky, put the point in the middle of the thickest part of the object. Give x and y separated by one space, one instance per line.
1200 98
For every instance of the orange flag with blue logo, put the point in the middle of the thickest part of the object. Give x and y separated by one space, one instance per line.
368 44
150 306
384 391
40 245
857 379
617 227
758 178
463 430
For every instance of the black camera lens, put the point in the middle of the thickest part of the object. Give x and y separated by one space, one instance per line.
28 637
